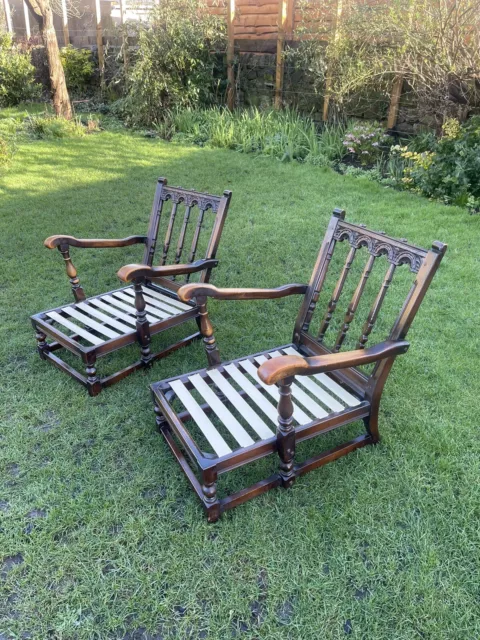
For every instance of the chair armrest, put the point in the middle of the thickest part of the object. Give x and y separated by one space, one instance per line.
133 271
277 369
189 291
98 243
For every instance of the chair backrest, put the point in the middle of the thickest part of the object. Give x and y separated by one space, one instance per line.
371 249
185 217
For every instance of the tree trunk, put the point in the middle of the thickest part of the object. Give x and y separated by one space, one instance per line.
61 99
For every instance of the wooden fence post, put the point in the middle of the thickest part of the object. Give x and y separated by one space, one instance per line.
286 10
230 54
101 57
26 15
124 37
66 34
395 101
329 80
8 16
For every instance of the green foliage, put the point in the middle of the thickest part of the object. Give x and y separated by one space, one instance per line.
364 141
49 126
78 66
17 74
285 135
176 60
451 170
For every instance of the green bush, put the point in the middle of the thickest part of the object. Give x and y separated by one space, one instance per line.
176 60
78 66
49 126
450 170
17 74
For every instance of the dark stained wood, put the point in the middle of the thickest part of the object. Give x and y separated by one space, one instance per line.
276 369
352 307
56 241
358 393
145 314
191 291
133 271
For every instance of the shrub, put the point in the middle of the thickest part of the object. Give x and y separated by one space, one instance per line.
78 66
17 74
176 60
365 141
49 126
450 170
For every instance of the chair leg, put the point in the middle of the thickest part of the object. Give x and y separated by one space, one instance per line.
143 326
286 433
94 386
209 490
371 425
42 345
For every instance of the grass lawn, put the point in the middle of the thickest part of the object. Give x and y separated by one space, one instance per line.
101 537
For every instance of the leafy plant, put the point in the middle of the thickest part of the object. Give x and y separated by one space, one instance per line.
49 126
17 74
176 60
78 66
285 135
364 141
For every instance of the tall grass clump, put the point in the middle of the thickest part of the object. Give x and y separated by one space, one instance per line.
282 134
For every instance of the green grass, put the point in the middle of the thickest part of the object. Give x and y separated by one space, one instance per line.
100 536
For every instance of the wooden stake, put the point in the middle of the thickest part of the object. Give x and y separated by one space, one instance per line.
282 18
328 83
101 57
230 54
66 35
27 20
8 16
395 101
124 36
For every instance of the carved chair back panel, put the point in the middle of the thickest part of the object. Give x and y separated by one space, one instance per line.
366 287
185 226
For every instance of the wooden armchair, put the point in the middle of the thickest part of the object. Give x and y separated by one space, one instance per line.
225 416
93 327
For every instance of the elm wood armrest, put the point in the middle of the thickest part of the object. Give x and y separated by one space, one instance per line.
133 271
194 290
282 367
94 243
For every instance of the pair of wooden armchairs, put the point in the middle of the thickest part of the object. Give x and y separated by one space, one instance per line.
229 414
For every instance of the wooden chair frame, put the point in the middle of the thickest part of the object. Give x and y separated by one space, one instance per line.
311 357
135 313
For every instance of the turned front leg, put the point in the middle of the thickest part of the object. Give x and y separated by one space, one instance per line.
286 433
94 386
209 490
143 326
206 329
77 290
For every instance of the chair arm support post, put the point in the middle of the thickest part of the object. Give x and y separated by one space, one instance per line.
206 329
286 432
276 369
133 271
142 324
77 290
194 290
